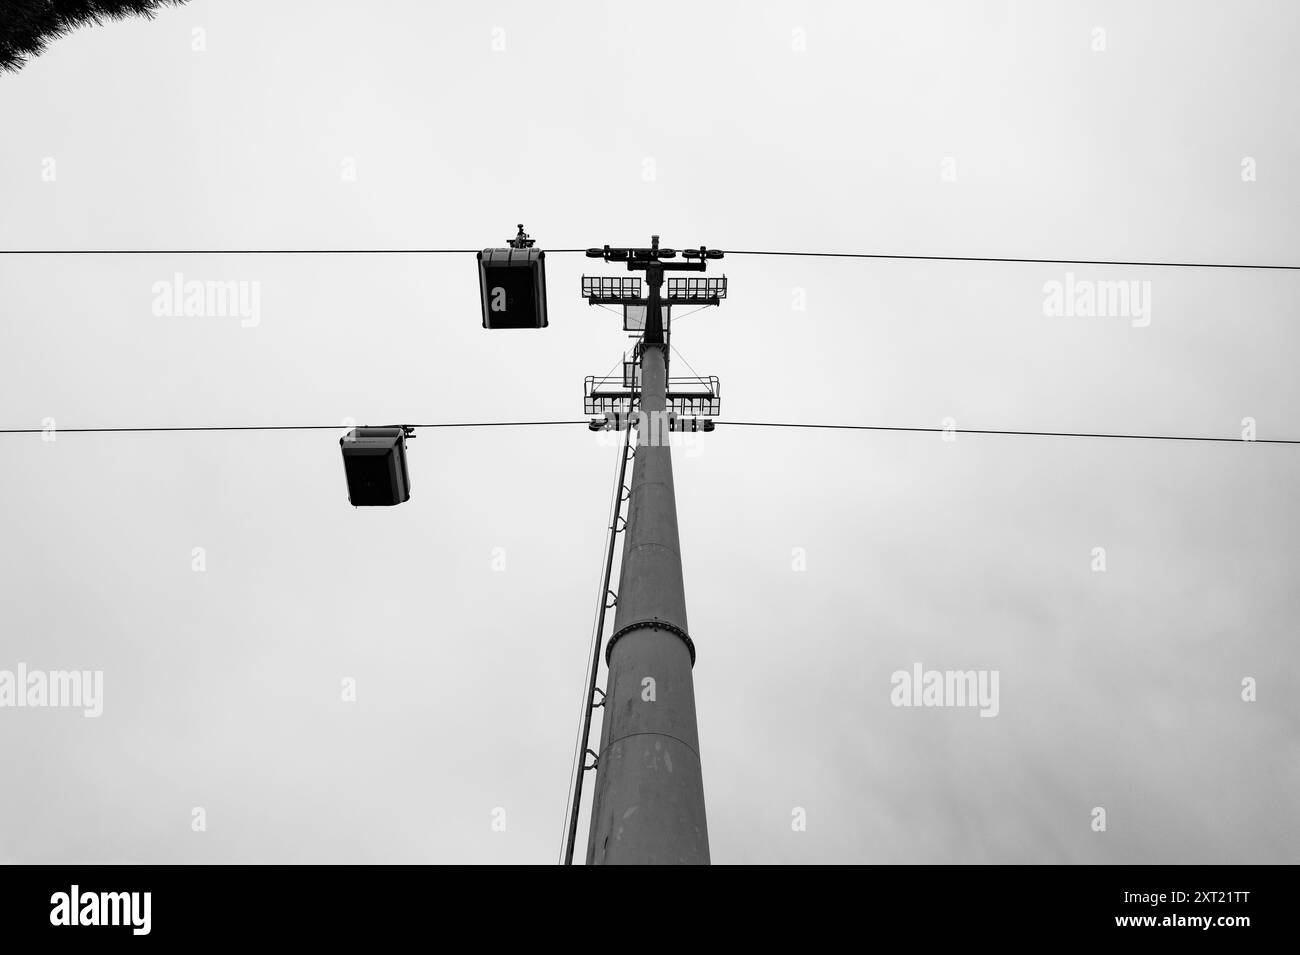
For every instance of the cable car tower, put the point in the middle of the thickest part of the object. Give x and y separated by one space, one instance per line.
648 805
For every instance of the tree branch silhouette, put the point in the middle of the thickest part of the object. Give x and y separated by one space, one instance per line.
27 26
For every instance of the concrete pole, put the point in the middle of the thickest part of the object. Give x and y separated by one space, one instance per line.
648 805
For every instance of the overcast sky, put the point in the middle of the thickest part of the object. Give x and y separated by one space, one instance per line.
989 129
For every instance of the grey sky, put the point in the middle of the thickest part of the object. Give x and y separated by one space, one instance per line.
1119 689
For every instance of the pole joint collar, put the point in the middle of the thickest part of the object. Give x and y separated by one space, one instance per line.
653 625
